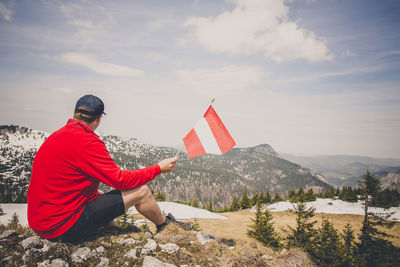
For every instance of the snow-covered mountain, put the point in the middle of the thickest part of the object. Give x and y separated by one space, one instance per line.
208 178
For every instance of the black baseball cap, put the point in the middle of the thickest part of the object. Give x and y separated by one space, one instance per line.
91 102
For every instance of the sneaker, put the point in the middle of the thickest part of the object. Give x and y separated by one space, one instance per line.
171 219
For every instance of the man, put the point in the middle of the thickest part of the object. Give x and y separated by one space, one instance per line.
63 199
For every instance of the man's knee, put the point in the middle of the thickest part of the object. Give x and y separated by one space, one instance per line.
135 195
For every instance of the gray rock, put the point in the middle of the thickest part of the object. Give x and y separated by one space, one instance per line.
98 251
153 262
170 248
8 234
53 263
103 262
149 234
81 255
32 242
149 247
131 254
128 241
204 238
47 244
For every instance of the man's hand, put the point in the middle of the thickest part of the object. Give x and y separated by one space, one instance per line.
167 165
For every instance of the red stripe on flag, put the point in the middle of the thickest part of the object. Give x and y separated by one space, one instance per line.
193 145
221 134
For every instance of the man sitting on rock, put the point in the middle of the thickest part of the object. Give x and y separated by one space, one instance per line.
63 199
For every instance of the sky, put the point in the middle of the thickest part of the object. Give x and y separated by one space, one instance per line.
310 77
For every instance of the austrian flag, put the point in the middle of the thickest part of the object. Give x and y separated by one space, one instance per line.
208 136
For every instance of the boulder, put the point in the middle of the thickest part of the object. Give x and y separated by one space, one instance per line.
8 234
81 255
53 263
170 248
149 247
153 262
131 254
204 238
103 262
128 241
32 242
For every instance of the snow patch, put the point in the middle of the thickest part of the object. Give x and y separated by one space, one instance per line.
336 206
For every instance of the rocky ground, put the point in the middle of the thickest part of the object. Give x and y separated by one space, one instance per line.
132 246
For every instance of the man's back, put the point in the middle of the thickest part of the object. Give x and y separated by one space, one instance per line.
59 186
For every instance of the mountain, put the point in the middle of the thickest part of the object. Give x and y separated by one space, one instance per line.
347 170
208 177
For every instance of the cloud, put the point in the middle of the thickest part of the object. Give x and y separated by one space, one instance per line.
257 26
349 53
93 63
222 80
6 12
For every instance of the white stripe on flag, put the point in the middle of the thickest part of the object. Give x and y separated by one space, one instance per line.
206 137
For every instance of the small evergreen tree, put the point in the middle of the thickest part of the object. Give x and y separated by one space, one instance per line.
268 198
254 200
304 230
262 228
195 202
261 198
209 206
160 196
292 195
277 197
326 248
310 196
348 249
235 204
245 202
374 249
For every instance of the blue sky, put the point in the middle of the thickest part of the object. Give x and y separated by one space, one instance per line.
307 77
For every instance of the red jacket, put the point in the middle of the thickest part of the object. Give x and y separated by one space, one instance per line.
66 173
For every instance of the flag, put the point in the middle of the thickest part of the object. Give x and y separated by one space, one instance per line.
208 136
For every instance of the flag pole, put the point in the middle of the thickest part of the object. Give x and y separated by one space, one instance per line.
180 149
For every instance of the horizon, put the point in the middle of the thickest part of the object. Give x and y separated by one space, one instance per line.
304 76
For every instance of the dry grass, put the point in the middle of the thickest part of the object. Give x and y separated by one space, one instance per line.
237 223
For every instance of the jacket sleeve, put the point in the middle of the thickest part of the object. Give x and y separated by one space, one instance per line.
98 164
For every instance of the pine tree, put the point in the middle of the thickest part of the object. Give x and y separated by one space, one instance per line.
262 228
277 197
374 249
326 248
195 202
160 196
300 236
292 195
348 249
210 206
235 204
261 198
309 196
300 194
254 200
245 202
268 198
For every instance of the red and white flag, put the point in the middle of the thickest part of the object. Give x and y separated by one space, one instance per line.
208 136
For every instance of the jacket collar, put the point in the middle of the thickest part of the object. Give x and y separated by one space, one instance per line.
76 123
